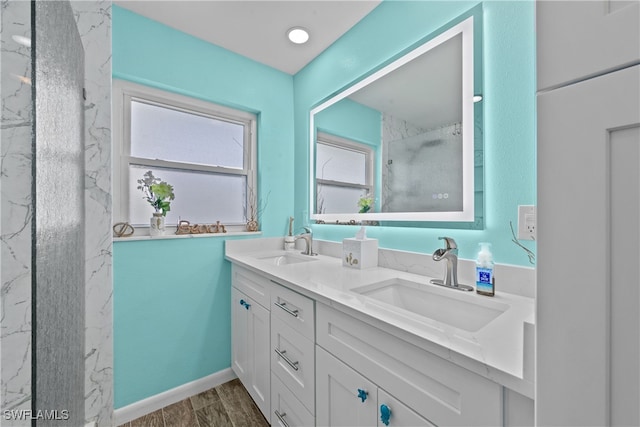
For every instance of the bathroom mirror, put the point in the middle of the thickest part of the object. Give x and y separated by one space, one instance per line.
404 143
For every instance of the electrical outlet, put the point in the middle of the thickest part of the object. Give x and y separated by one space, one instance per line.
527 222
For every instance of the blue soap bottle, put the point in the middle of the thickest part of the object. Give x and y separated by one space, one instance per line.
485 281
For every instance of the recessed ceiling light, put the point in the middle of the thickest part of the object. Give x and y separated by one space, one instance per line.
298 35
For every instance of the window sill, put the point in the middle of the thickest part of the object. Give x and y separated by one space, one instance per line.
170 236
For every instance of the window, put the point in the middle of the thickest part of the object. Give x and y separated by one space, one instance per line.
344 173
206 151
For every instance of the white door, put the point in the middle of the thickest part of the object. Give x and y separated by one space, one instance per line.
259 345
577 39
239 336
343 397
588 300
250 348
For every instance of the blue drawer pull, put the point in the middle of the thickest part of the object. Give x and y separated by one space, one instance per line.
385 414
362 394
245 304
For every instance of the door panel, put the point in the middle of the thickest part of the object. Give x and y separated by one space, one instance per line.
259 344
587 294
624 166
239 336
337 399
577 39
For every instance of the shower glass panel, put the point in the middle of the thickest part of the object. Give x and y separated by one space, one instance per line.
58 245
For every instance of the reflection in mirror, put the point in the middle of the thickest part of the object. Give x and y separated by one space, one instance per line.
344 173
399 144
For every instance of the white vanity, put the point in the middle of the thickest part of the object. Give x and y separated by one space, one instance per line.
316 343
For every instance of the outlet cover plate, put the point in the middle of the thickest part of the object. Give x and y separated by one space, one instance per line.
526 222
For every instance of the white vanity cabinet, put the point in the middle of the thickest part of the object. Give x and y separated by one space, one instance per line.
306 363
346 398
292 357
435 389
250 329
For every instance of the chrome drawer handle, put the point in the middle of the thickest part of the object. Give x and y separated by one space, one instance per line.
283 306
281 417
294 365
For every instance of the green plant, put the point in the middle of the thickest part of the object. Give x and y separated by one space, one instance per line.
157 192
365 203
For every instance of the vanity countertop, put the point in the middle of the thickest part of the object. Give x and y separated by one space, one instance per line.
501 351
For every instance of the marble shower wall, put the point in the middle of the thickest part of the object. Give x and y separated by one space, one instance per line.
94 24
407 151
16 211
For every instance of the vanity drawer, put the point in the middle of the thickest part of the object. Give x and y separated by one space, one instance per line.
293 361
252 285
434 388
293 309
285 406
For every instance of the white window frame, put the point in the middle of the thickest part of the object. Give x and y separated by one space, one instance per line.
123 93
324 138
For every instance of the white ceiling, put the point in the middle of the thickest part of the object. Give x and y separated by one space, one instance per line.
257 29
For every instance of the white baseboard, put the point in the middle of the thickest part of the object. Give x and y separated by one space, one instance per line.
146 406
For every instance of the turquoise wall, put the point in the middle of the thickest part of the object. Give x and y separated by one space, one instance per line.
509 109
352 120
172 297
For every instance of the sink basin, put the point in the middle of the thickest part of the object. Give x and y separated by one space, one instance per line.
443 305
286 259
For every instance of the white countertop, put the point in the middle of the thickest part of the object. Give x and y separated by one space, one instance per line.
501 351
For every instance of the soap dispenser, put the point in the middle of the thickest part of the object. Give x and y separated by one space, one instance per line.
485 281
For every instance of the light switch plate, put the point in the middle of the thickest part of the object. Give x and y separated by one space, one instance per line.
526 222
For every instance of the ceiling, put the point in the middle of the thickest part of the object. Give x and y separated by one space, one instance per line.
257 29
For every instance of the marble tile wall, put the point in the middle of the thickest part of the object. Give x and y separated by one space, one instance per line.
94 24
16 210
407 145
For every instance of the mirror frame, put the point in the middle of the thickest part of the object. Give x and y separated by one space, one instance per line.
470 26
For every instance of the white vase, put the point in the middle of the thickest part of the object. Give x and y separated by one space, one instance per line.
157 225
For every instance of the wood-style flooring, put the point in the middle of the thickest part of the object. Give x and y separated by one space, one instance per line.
228 404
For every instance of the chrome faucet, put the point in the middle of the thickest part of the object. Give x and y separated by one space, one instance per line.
307 236
450 254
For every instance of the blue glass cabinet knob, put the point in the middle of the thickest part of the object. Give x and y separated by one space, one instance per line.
385 414
362 394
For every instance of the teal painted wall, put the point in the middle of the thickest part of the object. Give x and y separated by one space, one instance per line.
509 109
172 297
352 120
149 53
171 322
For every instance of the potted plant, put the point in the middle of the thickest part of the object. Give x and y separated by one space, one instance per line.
159 194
